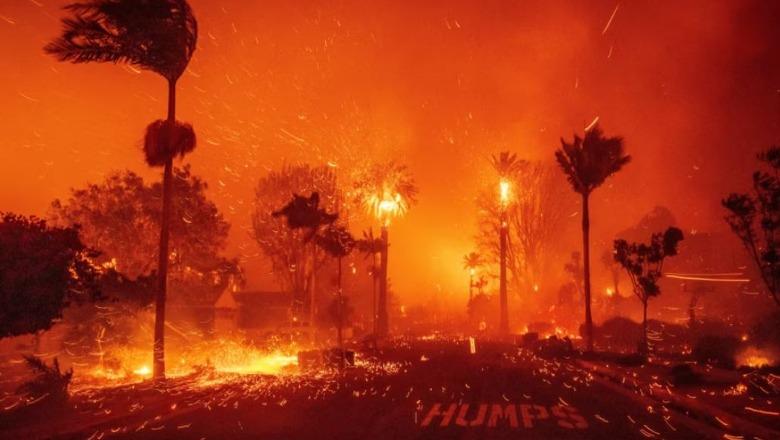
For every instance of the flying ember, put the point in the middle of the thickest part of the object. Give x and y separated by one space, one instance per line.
389 219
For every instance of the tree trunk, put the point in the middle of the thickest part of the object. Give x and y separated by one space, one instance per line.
162 268
586 271
692 308
616 282
340 322
471 287
644 346
313 293
382 316
504 318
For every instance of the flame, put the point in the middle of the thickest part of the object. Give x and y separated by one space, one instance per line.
609 292
144 370
222 355
755 358
386 206
504 192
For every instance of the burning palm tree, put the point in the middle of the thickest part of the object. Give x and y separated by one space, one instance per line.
587 163
372 246
386 191
155 35
507 166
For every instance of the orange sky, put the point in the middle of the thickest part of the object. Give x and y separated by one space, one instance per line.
693 88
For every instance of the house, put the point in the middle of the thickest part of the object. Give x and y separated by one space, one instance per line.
253 310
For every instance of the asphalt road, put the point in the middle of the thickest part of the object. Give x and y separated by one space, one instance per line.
439 391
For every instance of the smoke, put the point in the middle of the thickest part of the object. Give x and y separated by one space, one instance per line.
691 86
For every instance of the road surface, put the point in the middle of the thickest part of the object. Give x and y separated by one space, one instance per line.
427 390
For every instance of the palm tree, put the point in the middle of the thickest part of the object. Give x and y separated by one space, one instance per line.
372 246
386 191
587 163
155 35
507 166
471 262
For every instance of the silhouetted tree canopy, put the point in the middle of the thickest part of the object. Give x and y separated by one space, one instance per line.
156 35
589 161
42 270
336 241
537 211
121 217
644 265
288 248
164 141
755 219
305 213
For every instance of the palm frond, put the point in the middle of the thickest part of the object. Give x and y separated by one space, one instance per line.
156 35
507 164
587 162
164 141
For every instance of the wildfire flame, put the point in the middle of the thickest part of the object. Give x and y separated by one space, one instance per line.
386 206
755 358
504 192
223 355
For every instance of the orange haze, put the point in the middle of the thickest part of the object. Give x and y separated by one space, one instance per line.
694 87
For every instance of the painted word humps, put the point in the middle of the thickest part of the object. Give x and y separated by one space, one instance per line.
502 414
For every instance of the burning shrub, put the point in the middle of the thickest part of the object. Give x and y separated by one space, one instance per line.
717 350
50 385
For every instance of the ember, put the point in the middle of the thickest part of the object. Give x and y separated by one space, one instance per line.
389 219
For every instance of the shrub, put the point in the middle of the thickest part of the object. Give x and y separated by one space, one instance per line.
717 350
50 385
683 374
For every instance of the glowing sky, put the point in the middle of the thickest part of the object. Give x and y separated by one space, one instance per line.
692 86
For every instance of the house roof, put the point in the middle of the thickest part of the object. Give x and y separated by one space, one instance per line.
226 301
252 298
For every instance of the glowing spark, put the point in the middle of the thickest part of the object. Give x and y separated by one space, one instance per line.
714 280
611 17
762 411
592 124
